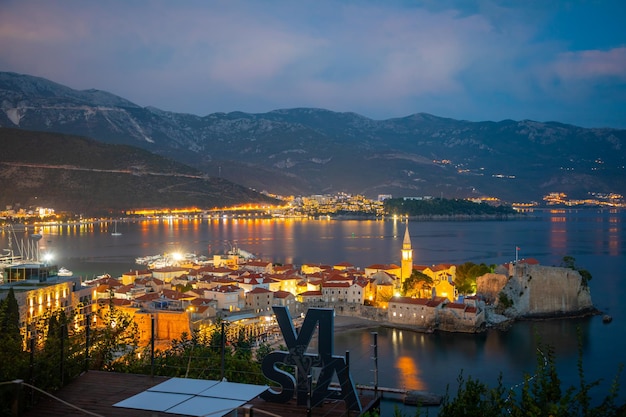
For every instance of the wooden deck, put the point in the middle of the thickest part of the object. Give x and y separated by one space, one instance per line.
97 391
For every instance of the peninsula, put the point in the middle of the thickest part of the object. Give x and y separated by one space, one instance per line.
186 294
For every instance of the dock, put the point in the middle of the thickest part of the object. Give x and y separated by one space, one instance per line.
408 397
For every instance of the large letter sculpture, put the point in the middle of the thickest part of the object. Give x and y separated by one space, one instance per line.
296 356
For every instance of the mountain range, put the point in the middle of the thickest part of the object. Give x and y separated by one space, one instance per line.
83 176
304 151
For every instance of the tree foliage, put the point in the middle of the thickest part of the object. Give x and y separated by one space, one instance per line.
570 262
504 301
115 336
202 355
416 284
443 207
13 360
541 394
466 274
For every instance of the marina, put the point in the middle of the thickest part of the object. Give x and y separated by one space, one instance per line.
191 258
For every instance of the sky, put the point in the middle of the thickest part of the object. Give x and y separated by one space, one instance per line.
544 60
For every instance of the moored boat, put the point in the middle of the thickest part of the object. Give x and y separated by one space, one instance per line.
64 272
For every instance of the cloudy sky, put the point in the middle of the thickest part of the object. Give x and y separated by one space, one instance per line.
473 60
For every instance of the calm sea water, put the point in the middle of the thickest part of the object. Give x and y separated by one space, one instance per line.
406 359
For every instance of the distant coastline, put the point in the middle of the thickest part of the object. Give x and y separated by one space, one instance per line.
18 226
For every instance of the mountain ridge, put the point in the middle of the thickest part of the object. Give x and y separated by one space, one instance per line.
83 176
304 151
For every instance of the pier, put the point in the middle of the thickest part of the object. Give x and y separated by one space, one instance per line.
408 397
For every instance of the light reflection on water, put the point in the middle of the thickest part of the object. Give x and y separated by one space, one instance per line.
427 361
408 374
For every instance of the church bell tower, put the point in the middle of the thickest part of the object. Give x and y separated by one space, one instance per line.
407 255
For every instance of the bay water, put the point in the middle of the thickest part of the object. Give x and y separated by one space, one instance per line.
595 238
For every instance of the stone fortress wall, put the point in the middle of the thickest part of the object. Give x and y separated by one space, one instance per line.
537 290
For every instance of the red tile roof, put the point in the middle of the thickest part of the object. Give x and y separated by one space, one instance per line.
281 294
124 289
222 280
410 300
103 288
201 301
311 294
437 301
259 290
148 297
281 277
284 268
226 288
263 264
201 309
529 261
336 285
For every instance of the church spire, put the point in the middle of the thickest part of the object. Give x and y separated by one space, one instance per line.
407 255
406 243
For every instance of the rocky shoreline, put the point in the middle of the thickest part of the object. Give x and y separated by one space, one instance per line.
493 321
562 315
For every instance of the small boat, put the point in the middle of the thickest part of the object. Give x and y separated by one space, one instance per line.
64 272
607 319
115 232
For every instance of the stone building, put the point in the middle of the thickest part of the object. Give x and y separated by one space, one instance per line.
461 317
417 312
259 300
228 297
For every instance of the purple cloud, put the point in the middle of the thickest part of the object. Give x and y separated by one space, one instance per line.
480 60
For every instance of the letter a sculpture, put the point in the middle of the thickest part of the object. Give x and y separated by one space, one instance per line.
304 363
